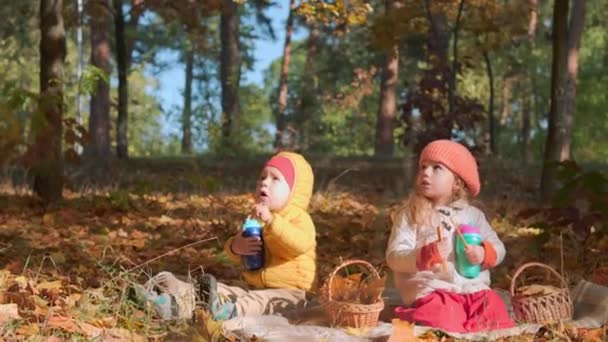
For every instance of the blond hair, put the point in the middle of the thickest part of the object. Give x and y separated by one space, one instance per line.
417 208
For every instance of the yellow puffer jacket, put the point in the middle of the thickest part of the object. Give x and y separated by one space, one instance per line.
289 240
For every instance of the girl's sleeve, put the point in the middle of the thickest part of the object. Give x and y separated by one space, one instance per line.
401 249
494 248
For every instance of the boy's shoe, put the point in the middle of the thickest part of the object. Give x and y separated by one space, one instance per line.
164 304
220 307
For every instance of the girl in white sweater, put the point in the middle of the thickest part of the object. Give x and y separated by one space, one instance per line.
421 247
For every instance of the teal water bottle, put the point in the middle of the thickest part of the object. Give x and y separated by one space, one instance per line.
472 236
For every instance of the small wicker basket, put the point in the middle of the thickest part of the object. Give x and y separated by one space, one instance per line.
355 315
541 308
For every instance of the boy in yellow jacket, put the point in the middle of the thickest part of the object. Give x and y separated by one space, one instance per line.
282 194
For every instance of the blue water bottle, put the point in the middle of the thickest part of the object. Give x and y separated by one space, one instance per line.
253 227
472 236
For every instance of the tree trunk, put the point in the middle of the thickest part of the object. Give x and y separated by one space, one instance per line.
308 89
563 90
48 161
557 145
438 42
99 119
491 119
230 69
525 127
283 78
187 113
533 21
385 120
575 32
452 86
137 8
122 142
507 90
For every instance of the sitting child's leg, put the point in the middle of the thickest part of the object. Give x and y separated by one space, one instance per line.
225 302
487 311
439 309
264 302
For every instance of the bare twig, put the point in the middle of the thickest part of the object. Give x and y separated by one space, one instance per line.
171 252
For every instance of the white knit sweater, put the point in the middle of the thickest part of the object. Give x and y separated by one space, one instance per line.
405 241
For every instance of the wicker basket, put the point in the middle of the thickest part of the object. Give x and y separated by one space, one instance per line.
343 314
541 308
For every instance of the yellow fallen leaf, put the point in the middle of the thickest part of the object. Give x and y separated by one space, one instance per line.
356 331
402 331
106 322
28 330
117 334
208 328
50 285
58 258
48 218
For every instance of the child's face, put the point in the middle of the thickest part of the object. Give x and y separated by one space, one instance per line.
436 182
272 188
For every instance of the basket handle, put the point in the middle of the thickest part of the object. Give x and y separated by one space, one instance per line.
348 263
535 264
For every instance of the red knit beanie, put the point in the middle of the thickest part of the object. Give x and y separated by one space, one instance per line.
285 166
455 157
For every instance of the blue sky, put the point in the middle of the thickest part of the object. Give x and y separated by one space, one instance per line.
171 81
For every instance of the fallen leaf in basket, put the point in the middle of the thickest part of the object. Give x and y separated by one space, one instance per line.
402 331
537 290
371 290
345 288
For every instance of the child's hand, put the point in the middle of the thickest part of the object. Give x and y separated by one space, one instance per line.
262 211
475 254
246 245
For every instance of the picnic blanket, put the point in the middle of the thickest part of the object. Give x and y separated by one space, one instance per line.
590 311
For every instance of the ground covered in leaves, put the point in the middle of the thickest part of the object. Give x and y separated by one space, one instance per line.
65 269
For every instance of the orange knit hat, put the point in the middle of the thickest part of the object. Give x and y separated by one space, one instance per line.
455 157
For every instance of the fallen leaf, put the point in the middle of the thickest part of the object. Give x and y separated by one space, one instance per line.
402 331
50 285
28 330
371 290
117 334
106 322
48 218
90 330
64 323
58 258
8 312
356 331
594 335
53 339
